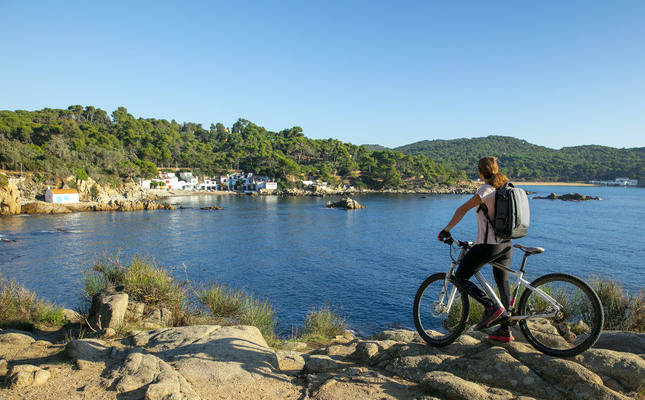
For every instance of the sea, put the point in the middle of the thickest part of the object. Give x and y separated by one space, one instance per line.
300 255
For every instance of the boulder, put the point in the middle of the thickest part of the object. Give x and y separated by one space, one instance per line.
630 342
4 367
347 203
9 199
290 362
19 339
92 350
22 376
319 363
108 310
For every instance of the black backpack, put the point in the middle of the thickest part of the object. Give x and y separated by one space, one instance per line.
512 214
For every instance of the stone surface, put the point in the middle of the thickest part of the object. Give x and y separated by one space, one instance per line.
108 310
290 362
9 199
88 350
41 207
22 376
347 203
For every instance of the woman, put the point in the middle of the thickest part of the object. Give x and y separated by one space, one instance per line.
487 248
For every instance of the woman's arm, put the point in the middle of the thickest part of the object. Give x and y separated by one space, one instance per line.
462 210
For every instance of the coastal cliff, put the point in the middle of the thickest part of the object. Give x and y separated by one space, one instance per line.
224 362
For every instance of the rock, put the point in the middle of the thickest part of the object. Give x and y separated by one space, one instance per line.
135 311
398 335
319 363
568 197
22 376
151 378
448 386
215 358
626 368
92 350
41 207
211 208
159 317
9 199
4 367
347 203
290 362
8 338
630 342
108 310
71 316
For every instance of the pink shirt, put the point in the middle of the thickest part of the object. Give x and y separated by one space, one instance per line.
487 194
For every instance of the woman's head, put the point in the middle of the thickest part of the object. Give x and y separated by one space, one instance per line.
489 170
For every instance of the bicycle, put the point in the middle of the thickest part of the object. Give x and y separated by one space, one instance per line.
559 314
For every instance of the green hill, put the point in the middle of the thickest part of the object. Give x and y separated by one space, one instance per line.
522 160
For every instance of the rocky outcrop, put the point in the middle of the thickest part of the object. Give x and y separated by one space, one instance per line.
9 199
120 205
108 310
40 207
568 197
211 208
216 362
346 203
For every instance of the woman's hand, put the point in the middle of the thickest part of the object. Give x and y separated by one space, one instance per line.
443 235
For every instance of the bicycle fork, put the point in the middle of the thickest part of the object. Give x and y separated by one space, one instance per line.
440 307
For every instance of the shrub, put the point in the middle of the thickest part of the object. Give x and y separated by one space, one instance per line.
141 279
323 323
234 306
3 180
19 307
623 310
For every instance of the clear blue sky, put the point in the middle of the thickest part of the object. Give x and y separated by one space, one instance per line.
555 73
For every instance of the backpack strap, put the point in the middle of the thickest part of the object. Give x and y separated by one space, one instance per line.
484 208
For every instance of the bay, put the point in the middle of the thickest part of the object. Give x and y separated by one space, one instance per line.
298 253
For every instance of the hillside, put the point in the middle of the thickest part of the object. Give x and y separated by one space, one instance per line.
116 148
525 161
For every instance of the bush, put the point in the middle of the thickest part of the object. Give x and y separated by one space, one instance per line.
19 308
3 180
623 310
141 279
234 306
323 323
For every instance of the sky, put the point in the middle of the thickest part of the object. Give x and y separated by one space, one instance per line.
553 73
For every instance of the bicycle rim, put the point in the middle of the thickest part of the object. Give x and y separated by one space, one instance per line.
578 325
437 324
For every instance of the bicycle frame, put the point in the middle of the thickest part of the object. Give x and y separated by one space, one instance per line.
440 307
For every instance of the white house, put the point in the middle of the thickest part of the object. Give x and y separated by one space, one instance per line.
61 195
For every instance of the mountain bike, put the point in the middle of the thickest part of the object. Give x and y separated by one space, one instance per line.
559 314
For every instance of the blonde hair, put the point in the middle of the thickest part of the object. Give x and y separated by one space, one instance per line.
490 171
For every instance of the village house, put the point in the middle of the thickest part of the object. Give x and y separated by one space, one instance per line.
185 181
61 196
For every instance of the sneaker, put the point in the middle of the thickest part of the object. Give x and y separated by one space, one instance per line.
490 315
502 334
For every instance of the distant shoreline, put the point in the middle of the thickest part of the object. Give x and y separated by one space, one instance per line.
553 184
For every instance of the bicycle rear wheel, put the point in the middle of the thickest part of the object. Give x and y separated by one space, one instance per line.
575 329
440 318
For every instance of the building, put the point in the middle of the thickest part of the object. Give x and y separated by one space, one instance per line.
61 196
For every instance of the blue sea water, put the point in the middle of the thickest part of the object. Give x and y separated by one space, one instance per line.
298 253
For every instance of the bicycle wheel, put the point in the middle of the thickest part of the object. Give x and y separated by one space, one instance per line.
572 331
440 319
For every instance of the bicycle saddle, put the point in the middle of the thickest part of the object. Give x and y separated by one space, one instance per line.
529 250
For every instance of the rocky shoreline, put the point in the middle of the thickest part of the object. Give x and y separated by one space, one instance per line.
22 196
234 362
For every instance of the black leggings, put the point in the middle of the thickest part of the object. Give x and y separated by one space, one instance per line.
478 256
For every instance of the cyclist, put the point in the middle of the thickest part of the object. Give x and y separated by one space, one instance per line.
487 248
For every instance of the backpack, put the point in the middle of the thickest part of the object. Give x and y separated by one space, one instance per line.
512 214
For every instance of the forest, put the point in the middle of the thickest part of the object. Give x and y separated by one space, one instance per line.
524 161
86 141
117 147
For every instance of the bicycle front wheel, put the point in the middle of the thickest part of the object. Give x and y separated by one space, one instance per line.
572 330
440 310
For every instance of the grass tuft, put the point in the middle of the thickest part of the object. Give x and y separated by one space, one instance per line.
324 323
21 309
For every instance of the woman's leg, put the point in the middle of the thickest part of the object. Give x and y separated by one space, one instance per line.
501 276
472 262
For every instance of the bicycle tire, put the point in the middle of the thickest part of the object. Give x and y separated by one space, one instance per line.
434 329
582 313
